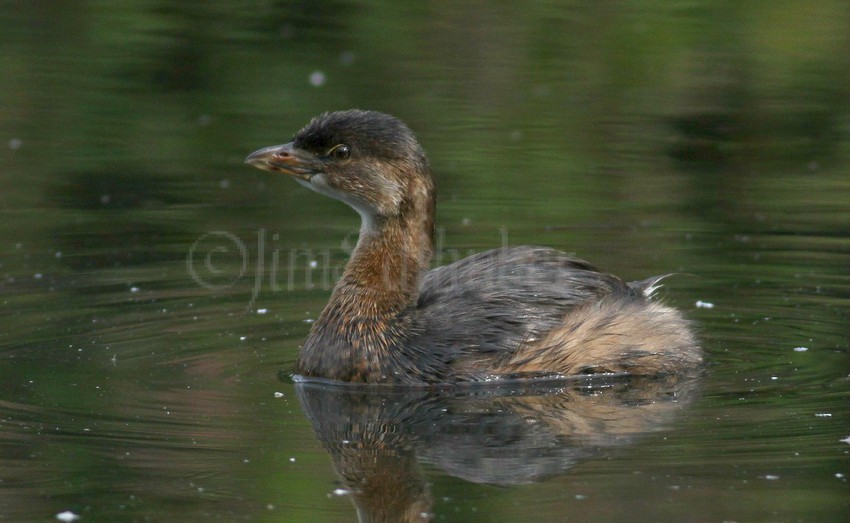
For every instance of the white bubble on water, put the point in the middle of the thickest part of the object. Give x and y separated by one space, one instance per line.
317 78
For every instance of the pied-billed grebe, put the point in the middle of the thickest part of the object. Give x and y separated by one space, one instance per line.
519 311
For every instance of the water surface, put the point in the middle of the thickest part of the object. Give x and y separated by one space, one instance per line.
154 290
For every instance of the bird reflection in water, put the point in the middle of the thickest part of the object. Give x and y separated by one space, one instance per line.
513 434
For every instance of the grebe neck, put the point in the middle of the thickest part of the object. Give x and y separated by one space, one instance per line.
381 279
388 262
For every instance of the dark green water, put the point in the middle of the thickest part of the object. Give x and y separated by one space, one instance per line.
153 287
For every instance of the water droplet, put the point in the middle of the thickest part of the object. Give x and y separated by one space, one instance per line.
317 79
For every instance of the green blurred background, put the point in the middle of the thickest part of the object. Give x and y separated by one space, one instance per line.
706 137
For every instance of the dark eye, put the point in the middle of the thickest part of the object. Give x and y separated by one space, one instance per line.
339 152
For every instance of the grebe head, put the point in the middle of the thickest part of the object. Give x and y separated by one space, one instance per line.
367 159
